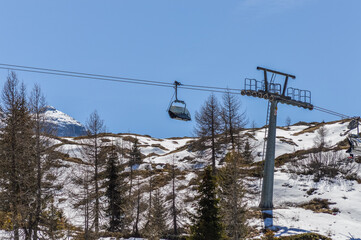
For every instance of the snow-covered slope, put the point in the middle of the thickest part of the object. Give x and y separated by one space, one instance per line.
289 192
65 125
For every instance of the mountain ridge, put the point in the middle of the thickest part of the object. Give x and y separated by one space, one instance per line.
64 125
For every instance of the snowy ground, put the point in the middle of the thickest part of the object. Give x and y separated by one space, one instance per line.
290 220
288 193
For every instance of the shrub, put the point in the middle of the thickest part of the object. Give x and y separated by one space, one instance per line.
324 165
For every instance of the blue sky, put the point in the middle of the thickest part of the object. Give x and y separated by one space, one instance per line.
217 43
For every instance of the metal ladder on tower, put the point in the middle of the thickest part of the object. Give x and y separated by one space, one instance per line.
267 122
264 147
266 132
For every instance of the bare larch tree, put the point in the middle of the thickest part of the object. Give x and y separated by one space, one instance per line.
208 125
232 119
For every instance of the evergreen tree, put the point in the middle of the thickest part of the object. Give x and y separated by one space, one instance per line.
135 158
135 155
232 194
247 155
17 162
136 232
174 209
114 194
157 224
150 191
208 222
53 221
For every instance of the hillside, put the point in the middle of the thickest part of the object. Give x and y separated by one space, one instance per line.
294 192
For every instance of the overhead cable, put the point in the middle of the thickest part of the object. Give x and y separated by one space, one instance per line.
101 77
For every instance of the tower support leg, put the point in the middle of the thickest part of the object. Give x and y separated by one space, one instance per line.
268 176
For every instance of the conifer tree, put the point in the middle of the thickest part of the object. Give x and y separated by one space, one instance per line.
247 155
135 158
209 125
115 191
157 224
233 207
174 209
150 191
45 160
232 118
17 162
136 232
88 180
82 196
94 127
208 222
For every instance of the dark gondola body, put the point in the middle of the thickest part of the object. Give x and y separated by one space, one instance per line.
179 113
178 109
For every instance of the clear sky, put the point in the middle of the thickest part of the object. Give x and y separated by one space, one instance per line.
202 42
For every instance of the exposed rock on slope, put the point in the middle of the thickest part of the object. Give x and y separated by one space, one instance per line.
65 125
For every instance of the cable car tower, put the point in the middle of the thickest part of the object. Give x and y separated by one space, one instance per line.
275 93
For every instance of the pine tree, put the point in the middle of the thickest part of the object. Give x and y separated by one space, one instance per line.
174 209
157 224
150 191
232 193
17 162
136 232
247 155
135 155
115 191
135 158
53 222
208 222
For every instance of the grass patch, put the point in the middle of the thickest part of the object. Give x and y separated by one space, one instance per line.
304 236
319 205
300 154
288 141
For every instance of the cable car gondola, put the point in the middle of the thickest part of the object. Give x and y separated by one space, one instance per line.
178 109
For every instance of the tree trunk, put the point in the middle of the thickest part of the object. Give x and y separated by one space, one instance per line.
213 146
174 210
39 178
136 232
96 217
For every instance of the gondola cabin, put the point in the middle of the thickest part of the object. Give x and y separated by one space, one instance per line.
179 111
